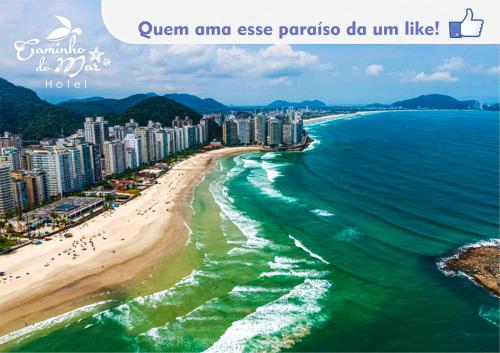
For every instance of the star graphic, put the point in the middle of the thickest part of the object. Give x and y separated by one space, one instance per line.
95 55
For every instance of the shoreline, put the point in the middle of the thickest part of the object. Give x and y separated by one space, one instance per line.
122 253
332 117
477 262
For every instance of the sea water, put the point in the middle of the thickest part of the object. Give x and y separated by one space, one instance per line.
330 249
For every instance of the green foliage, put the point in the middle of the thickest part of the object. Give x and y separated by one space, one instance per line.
109 107
158 109
22 111
6 242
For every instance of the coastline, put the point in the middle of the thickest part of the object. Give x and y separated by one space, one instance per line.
122 251
342 116
477 262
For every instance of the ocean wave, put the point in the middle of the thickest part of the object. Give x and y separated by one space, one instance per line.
313 144
264 185
248 227
300 273
269 155
322 213
71 315
348 234
491 315
278 324
303 247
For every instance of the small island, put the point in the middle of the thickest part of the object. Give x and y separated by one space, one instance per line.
479 262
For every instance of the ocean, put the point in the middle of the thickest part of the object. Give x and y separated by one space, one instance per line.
331 249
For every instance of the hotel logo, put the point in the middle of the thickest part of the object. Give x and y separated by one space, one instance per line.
60 53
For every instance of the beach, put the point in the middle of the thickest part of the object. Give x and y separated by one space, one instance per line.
331 117
106 251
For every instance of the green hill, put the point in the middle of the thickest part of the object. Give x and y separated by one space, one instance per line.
22 111
207 105
158 109
104 106
434 101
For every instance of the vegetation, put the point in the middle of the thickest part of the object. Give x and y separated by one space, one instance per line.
22 111
207 105
104 106
158 109
434 101
6 242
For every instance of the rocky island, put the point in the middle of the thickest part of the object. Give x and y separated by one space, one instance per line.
479 262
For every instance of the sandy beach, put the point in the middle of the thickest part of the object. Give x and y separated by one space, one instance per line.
116 246
341 116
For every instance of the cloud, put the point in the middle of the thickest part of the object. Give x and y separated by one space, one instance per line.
485 70
356 70
373 69
453 63
438 76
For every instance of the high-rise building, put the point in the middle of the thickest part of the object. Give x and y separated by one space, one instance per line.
161 138
77 168
7 202
12 157
58 163
96 162
147 137
86 163
230 132
97 131
133 142
114 157
260 129
36 186
130 158
287 133
20 190
275 132
243 127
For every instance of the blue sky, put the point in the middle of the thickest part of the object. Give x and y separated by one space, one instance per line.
246 75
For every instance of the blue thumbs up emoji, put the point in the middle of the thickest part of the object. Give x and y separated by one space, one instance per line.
468 27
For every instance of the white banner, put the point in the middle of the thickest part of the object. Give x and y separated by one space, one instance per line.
303 22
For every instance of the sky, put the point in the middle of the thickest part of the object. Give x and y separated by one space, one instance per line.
244 74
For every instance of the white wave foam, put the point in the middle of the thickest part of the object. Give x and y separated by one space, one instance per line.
271 170
313 144
295 273
491 315
303 247
278 324
248 227
269 155
51 322
264 184
322 213
250 163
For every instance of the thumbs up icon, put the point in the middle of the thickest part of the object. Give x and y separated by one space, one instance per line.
468 27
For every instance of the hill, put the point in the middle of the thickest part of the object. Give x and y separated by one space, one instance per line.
22 111
278 104
159 109
207 105
434 101
104 106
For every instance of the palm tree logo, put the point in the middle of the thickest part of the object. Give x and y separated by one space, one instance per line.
63 32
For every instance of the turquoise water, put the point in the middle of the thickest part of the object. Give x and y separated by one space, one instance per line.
331 249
